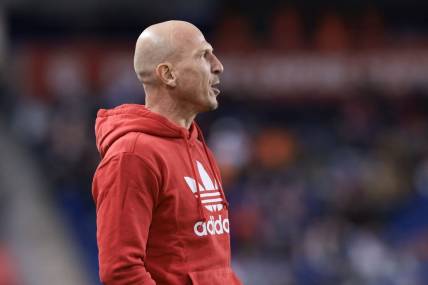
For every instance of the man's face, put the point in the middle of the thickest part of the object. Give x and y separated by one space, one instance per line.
197 74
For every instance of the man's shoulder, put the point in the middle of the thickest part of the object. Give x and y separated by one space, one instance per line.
143 147
138 143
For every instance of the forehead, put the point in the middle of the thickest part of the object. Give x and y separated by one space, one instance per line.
190 40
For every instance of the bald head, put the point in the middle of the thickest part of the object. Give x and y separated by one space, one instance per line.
160 43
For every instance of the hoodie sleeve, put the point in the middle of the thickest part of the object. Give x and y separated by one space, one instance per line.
125 192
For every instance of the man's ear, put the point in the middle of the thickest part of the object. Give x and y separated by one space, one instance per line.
165 73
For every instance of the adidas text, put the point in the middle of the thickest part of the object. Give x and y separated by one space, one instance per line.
212 227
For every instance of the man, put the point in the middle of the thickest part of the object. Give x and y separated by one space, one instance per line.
161 211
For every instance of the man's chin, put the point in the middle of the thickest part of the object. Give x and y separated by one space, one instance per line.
213 108
210 106
214 105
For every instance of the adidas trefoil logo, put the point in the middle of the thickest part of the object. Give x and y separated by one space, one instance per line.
210 194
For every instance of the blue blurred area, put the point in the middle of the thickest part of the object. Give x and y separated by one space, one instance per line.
79 215
327 180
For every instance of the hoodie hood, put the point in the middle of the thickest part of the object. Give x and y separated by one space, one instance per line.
114 123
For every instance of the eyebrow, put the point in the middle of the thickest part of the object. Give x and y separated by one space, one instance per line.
206 47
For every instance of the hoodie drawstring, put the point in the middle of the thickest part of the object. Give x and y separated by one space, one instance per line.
200 207
225 202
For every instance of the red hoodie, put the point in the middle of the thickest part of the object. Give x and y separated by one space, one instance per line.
161 212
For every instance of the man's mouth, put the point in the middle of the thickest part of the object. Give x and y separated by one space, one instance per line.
214 88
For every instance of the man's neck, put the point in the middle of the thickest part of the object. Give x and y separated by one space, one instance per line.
175 113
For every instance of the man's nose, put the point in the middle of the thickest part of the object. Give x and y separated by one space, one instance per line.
216 65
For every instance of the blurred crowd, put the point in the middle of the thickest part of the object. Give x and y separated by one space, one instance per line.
328 193
290 30
322 191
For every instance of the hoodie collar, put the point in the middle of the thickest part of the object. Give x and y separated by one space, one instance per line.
114 123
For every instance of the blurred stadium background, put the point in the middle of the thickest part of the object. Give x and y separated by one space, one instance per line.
322 134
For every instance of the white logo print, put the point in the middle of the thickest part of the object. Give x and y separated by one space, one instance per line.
212 227
210 194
